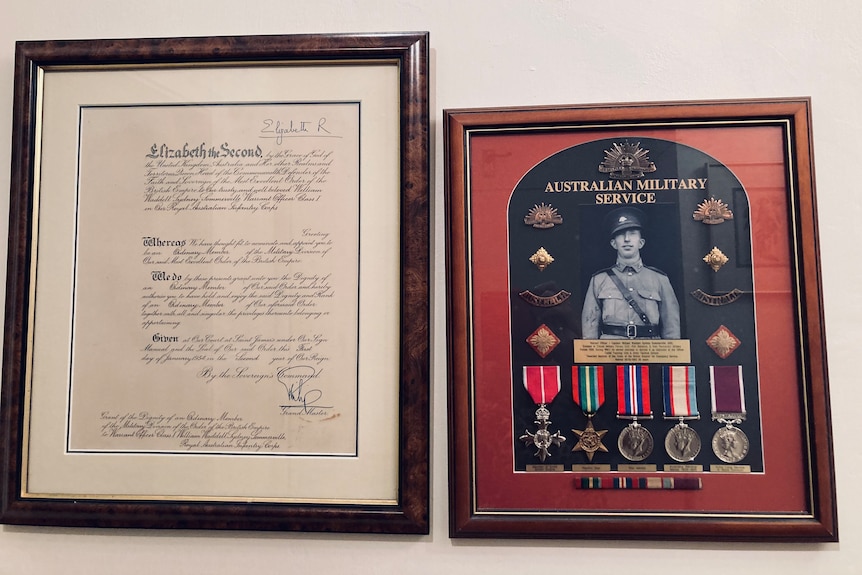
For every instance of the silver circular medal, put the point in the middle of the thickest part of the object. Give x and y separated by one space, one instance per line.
682 443
635 442
730 444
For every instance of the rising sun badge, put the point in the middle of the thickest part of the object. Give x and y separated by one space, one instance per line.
626 162
543 216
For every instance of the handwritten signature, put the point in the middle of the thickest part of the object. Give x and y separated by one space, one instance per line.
275 129
302 399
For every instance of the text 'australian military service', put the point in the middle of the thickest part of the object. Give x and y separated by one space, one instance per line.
626 191
626 164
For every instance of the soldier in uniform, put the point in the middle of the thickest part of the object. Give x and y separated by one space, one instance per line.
629 300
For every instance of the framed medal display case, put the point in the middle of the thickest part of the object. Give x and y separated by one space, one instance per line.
217 297
636 338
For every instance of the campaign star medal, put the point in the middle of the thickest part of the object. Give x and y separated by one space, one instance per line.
682 443
626 162
542 382
541 259
588 391
715 259
712 212
635 441
723 342
730 444
543 216
543 340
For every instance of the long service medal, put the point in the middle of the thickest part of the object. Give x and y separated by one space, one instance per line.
635 441
542 382
682 443
588 391
730 444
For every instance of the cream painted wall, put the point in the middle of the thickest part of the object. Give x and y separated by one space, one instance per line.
519 52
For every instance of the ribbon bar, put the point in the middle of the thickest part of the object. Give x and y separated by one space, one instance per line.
638 483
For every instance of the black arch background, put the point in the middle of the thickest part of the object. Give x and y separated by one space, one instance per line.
676 244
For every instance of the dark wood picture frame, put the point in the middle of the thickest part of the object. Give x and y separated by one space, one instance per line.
409 513
494 154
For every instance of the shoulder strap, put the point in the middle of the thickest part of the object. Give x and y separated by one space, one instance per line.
628 297
603 271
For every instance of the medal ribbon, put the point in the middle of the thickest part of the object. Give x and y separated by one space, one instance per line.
680 399
542 382
728 397
588 387
633 390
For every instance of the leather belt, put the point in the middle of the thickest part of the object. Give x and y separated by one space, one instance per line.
632 331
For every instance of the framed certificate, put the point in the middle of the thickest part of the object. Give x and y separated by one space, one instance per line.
217 297
636 335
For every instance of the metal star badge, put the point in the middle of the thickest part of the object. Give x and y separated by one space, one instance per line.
590 440
542 259
543 340
723 342
715 259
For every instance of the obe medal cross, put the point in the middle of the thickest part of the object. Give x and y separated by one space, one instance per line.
542 439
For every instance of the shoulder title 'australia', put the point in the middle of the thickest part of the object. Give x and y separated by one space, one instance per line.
626 161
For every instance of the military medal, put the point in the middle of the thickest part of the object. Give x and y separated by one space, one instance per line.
635 441
588 391
543 384
729 443
682 443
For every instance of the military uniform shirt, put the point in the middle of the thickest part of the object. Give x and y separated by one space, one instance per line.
649 287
